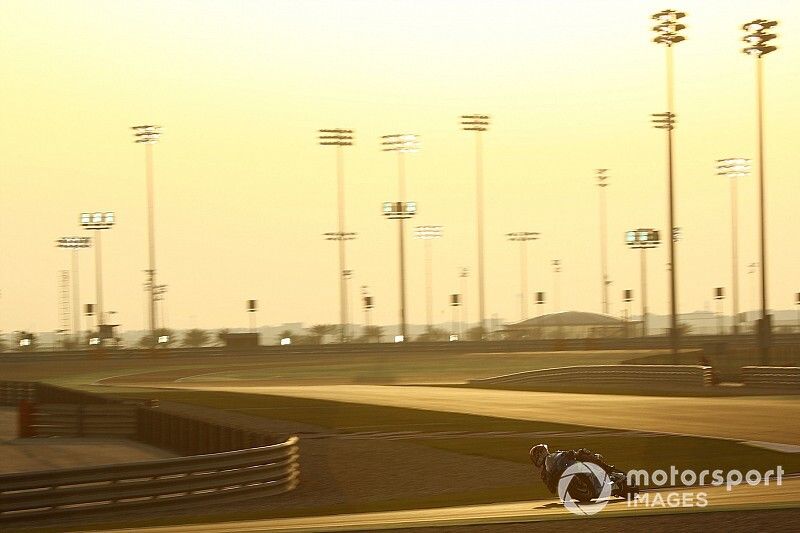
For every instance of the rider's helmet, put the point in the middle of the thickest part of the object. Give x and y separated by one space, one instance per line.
538 454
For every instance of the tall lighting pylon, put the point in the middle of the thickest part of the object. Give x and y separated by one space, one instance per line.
149 135
601 184
340 138
523 237
758 45
479 124
401 143
667 33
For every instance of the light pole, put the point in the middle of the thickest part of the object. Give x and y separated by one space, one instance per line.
752 269
601 184
479 124
340 138
627 298
642 239
148 135
758 46
797 303
75 244
401 143
464 274
719 295
366 299
667 34
427 234
98 221
523 237
734 168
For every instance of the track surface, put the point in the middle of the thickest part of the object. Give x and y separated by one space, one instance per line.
742 497
754 418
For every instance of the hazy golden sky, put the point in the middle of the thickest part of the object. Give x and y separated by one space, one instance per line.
244 192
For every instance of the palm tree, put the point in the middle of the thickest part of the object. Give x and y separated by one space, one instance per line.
433 334
373 333
318 331
194 338
285 334
149 341
222 335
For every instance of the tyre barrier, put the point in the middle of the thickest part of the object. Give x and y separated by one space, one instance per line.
771 376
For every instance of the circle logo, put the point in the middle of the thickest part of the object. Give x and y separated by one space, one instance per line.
585 469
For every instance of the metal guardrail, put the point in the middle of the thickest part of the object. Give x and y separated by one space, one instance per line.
606 375
771 376
83 420
179 482
790 341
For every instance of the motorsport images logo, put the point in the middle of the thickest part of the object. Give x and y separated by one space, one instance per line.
589 473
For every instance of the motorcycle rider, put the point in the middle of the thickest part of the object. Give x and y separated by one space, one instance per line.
553 464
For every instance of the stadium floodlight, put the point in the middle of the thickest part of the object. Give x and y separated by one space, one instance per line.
757 40
642 239
668 34
734 168
75 244
97 221
401 143
149 135
479 124
523 237
428 234
340 138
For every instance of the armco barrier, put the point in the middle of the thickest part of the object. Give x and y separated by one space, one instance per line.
606 375
771 376
180 482
13 392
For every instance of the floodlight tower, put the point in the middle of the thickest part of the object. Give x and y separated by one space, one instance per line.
148 135
667 33
97 222
75 244
758 46
523 237
479 124
428 234
340 138
734 168
642 239
402 144
601 184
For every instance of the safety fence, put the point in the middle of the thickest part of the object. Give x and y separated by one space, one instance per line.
219 462
692 375
164 483
772 376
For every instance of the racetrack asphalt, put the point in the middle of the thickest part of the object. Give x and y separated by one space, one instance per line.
771 419
760 496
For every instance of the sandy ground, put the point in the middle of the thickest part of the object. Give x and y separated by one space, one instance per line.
25 455
754 418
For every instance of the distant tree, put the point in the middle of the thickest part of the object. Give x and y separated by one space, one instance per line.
195 338
20 335
3 343
149 341
372 334
475 333
433 334
221 334
319 331
684 328
287 333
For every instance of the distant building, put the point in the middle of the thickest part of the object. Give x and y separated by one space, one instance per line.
572 325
